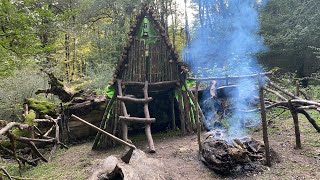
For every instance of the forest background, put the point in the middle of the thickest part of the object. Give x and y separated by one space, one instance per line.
80 41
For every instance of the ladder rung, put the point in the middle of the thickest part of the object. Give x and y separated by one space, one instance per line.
136 119
135 100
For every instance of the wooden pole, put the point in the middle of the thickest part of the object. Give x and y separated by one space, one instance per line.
124 125
103 121
264 122
296 125
106 133
197 118
148 125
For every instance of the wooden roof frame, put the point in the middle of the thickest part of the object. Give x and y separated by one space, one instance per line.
150 13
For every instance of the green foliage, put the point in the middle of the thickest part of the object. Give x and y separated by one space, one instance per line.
42 107
17 87
289 27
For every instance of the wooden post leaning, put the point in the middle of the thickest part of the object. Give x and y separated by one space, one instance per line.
264 121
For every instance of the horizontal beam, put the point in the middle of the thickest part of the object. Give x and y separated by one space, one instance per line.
230 77
135 100
163 83
136 119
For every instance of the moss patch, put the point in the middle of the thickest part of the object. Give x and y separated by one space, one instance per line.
42 107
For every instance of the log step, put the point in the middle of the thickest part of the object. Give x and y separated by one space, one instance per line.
135 100
136 119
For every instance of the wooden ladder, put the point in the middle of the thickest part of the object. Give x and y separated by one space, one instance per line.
126 117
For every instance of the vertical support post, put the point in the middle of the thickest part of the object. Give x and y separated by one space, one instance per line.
296 125
147 115
264 122
197 117
124 125
173 115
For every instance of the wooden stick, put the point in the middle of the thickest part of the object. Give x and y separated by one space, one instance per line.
147 115
135 100
124 124
230 77
6 173
276 93
108 134
296 125
103 121
310 119
264 123
197 118
157 84
22 159
282 90
12 125
137 119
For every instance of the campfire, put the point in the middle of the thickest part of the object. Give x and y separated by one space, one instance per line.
231 156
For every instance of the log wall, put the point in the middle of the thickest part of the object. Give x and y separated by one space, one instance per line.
161 66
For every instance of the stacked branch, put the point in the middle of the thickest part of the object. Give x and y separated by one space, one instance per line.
292 102
36 138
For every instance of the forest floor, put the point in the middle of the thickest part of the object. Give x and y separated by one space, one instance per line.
179 154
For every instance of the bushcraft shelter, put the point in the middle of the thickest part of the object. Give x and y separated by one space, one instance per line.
149 68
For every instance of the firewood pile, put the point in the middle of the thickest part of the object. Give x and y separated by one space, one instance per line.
231 156
19 140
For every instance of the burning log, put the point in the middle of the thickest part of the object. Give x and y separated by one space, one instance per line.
231 156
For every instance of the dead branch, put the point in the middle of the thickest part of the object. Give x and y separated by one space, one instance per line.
271 84
57 87
6 172
12 125
22 159
310 119
276 93
30 143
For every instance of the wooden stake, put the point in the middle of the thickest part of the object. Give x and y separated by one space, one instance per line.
296 125
264 122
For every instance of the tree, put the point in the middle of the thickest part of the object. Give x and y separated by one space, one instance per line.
18 37
289 27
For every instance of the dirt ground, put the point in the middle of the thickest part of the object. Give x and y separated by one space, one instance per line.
179 154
